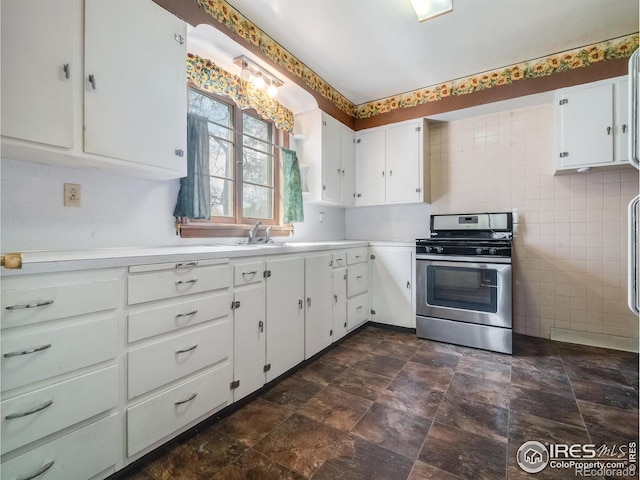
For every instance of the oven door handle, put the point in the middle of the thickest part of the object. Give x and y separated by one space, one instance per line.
500 267
488 285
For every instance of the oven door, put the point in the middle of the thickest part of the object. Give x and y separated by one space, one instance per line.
466 291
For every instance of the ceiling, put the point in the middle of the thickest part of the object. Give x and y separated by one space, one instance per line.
372 49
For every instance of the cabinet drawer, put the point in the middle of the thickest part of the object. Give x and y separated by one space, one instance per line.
177 407
356 255
357 279
357 310
247 273
146 287
154 321
68 403
36 356
339 259
81 454
157 364
34 305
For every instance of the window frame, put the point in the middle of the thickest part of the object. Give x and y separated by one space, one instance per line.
238 225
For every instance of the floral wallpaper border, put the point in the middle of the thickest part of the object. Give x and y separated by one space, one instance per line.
224 13
209 77
577 58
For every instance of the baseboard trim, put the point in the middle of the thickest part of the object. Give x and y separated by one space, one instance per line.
596 339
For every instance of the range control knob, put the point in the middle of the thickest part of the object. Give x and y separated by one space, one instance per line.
492 251
427 249
479 251
439 249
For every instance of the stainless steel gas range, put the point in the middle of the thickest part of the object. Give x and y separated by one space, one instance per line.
463 276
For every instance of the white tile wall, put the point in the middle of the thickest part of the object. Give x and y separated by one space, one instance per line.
570 249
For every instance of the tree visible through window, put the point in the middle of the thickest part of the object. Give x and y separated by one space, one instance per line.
243 162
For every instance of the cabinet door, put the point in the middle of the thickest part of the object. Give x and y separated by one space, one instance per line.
285 315
249 339
370 168
586 132
331 170
319 307
339 303
621 153
404 163
37 88
391 280
135 110
348 165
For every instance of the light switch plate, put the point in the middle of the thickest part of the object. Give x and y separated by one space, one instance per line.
71 195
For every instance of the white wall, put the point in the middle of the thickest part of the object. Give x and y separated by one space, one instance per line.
400 223
116 211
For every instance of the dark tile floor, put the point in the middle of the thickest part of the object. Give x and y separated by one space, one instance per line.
384 405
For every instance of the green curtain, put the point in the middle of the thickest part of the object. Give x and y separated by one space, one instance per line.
194 198
292 192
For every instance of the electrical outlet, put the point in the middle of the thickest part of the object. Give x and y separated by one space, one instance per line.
71 195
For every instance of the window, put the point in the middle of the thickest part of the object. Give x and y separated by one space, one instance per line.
244 168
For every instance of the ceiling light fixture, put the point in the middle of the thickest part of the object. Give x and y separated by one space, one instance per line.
259 76
427 9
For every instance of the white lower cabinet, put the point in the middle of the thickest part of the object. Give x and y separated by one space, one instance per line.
392 285
319 305
166 413
82 454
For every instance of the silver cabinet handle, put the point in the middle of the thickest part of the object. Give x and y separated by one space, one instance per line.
261 326
390 173
408 285
188 314
609 130
29 305
186 400
300 304
633 113
339 172
185 350
46 404
186 265
27 351
359 307
184 282
309 302
67 70
92 81
335 298
30 476
632 298
624 128
252 273
358 277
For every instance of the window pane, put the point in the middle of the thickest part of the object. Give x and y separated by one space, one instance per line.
222 132
221 197
257 202
214 110
221 161
257 167
256 128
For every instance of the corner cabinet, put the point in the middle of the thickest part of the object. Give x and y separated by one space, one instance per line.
104 86
327 147
392 280
392 165
591 125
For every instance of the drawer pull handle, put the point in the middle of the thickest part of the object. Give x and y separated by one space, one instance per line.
251 273
188 314
185 350
46 404
186 400
358 277
184 282
186 265
359 307
46 467
27 351
29 305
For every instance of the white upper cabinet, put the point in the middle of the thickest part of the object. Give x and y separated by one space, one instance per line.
326 146
95 83
391 164
591 125
38 70
135 83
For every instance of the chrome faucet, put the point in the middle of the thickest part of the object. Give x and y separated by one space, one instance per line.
253 232
267 237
